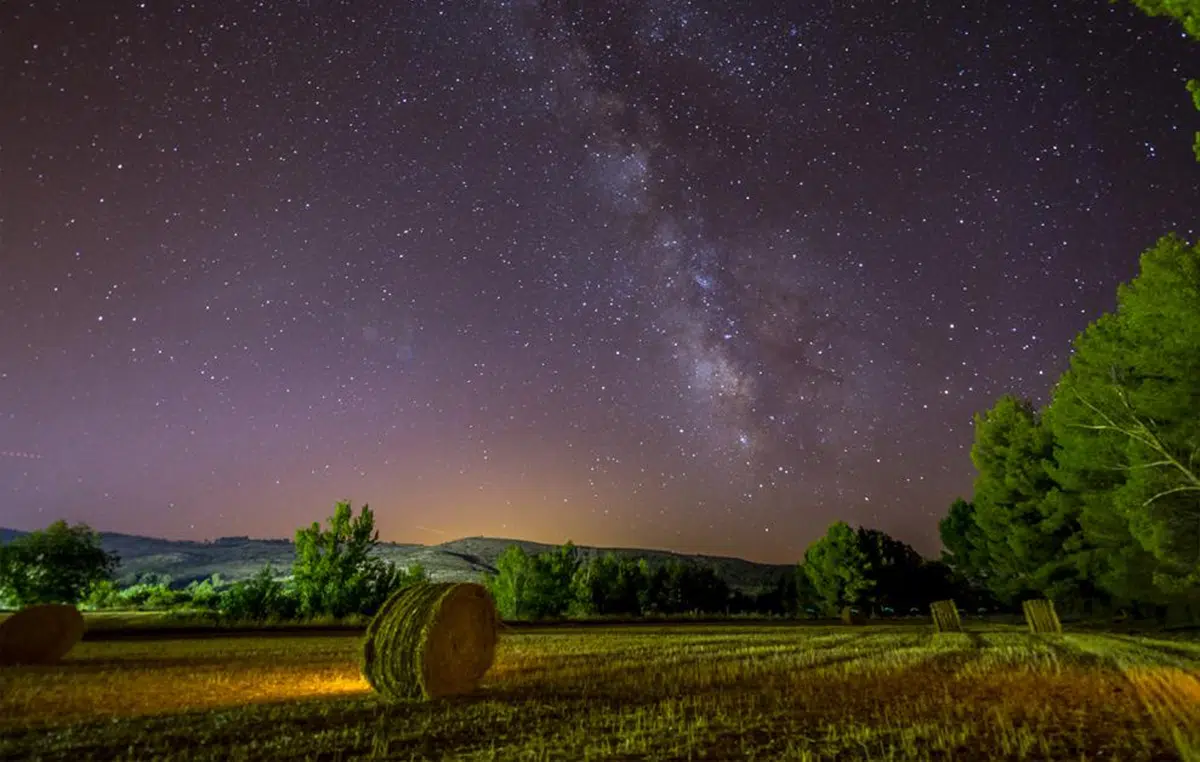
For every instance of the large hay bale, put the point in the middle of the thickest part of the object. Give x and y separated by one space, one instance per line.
945 616
1041 616
850 616
431 640
41 634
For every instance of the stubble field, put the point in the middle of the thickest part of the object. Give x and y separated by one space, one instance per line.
718 692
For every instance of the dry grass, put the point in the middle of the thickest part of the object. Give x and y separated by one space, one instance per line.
128 679
671 692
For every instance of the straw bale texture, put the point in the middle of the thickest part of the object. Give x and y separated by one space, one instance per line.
945 616
1041 616
41 634
431 640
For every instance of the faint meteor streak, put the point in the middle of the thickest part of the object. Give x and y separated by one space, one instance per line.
20 454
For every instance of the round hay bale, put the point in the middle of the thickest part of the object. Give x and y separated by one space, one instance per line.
851 616
431 640
40 634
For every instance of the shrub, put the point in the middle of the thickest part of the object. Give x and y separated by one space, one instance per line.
103 594
154 597
205 594
259 598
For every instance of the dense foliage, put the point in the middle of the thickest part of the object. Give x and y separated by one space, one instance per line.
58 564
335 573
1096 498
559 583
863 567
1187 13
869 570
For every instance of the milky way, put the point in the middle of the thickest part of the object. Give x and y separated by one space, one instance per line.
694 275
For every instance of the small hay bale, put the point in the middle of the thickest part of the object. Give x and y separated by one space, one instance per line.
41 634
1041 616
850 616
431 640
945 616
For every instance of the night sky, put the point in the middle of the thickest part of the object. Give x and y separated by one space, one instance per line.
685 274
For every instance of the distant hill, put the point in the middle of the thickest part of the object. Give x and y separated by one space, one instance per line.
236 558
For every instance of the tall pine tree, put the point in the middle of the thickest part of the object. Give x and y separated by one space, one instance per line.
1024 531
1126 416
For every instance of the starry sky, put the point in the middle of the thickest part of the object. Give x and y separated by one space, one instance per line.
683 274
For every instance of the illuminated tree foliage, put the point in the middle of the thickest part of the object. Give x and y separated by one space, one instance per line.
965 551
335 572
1187 13
1021 531
58 564
838 568
1126 417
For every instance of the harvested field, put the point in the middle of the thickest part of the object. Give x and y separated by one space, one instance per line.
666 692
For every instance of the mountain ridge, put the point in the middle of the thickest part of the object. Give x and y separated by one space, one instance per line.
462 560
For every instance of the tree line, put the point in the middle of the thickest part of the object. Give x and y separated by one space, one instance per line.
861 568
1093 499
334 574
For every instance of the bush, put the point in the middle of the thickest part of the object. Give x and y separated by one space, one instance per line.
205 593
151 597
259 598
103 594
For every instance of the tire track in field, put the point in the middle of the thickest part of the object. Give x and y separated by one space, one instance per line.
1167 683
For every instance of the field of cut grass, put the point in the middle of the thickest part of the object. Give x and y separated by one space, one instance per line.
718 692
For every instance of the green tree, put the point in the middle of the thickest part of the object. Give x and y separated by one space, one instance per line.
552 573
608 585
838 569
512 586
1187 13
334 571
808 600
706 591
1022 529
259 598
693 587
781 597
963 547
55 565
1126 416
652 595
894 570
205 593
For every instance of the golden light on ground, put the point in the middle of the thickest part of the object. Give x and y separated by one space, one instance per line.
1172 697
172 680
727 692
